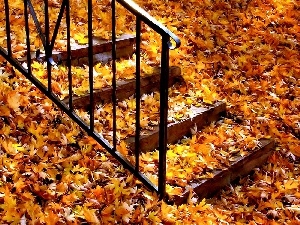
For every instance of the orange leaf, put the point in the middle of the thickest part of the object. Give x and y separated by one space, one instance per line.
122 148
51 218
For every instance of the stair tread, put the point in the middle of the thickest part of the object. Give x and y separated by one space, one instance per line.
81 50
126 88
176 130
99 46
206 188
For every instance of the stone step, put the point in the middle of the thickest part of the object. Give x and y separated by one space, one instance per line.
126 88
206 188
101 51
201 116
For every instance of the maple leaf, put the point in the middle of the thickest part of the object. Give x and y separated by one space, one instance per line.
107 211
118 187
68 214
69 199
154 217
13 100
80 38
12 149
167 214
4 110
291 184
20 184
122 148
99 193
124 211
90 215
9 207
51 218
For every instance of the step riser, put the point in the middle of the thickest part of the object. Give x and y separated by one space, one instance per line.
104 57
149 140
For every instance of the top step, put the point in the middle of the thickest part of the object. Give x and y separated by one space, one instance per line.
101 51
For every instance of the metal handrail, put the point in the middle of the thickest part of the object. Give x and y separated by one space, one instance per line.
150 21
141 17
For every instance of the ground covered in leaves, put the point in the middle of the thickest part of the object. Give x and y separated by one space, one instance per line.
246 53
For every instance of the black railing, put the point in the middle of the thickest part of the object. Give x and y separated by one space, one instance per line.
48 43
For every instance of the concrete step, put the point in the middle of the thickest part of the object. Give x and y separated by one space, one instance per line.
126 88
206 188
201 117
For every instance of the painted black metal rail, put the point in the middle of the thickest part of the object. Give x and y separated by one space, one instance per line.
48 43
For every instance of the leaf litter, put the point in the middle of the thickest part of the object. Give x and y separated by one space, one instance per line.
243 52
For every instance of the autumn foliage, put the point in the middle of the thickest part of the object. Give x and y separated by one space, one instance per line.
244 52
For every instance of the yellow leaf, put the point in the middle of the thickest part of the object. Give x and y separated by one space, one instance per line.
166 211
12 148
90 215
291 184
36 65
81 38
9 206
122 148
154 218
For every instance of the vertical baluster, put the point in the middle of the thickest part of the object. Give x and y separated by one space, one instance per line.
163 116
7 27
69 54
138 93
91 63
27 36
47 44
114 70
57 25
37 23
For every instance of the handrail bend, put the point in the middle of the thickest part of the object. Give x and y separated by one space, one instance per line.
150 21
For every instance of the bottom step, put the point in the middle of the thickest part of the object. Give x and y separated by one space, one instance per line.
241 167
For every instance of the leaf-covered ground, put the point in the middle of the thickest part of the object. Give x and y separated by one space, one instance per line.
243 52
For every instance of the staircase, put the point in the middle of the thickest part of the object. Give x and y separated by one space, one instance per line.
159 132
176 131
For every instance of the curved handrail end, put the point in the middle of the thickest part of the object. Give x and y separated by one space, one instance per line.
150 21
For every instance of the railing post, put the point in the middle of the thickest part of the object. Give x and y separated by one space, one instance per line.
164 78
47 46
36 22
7 27
114 71
27 37
138 93
91 62
68 23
